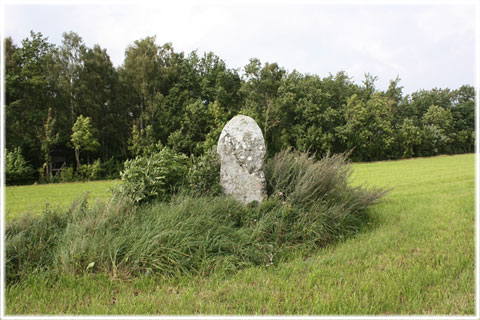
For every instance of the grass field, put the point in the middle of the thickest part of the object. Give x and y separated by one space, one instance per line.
34 199
416 256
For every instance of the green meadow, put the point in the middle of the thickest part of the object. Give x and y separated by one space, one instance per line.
34 199
415 256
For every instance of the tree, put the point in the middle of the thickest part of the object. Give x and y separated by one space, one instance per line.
260 90
338 89
30 91
394 91
218 83
418 103
211 97
410 138
98 96
195 125
463 112
142 141
368 88
17 169
368 129
141 70
438 130
82 137
69 58
12 69
305 120
48 139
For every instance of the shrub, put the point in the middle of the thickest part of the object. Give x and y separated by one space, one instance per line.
109 169
92 171
203 177
158 175
67 174
17 170
84 171
97 170
112 168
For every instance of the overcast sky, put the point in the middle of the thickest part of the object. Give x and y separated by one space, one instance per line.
425 45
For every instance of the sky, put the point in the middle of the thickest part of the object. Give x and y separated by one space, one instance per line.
426 45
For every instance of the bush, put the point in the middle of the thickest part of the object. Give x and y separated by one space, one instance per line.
17 170
112 168
203 177
158 175
92 171
98 170
194 235
67 174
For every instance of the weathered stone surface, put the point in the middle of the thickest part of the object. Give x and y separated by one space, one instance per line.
241 149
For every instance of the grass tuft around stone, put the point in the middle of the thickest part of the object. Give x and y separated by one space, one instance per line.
310 205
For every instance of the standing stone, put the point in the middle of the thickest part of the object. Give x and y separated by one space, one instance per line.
241 149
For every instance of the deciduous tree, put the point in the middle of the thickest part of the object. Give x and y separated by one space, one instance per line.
82 137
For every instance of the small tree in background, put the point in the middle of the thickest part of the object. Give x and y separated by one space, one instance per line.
48 139
142 141
410 137
437 130
82 137
17 170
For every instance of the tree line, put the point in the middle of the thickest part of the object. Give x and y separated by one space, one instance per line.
70 99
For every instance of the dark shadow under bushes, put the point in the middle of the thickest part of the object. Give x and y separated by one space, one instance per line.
310 205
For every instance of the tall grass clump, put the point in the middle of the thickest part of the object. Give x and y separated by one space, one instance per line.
310 204
318 204
300 180
30 243
184 236
31 240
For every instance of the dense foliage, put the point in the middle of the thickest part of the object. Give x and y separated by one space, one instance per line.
160 96
17 170
161 174
196 234
153 176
